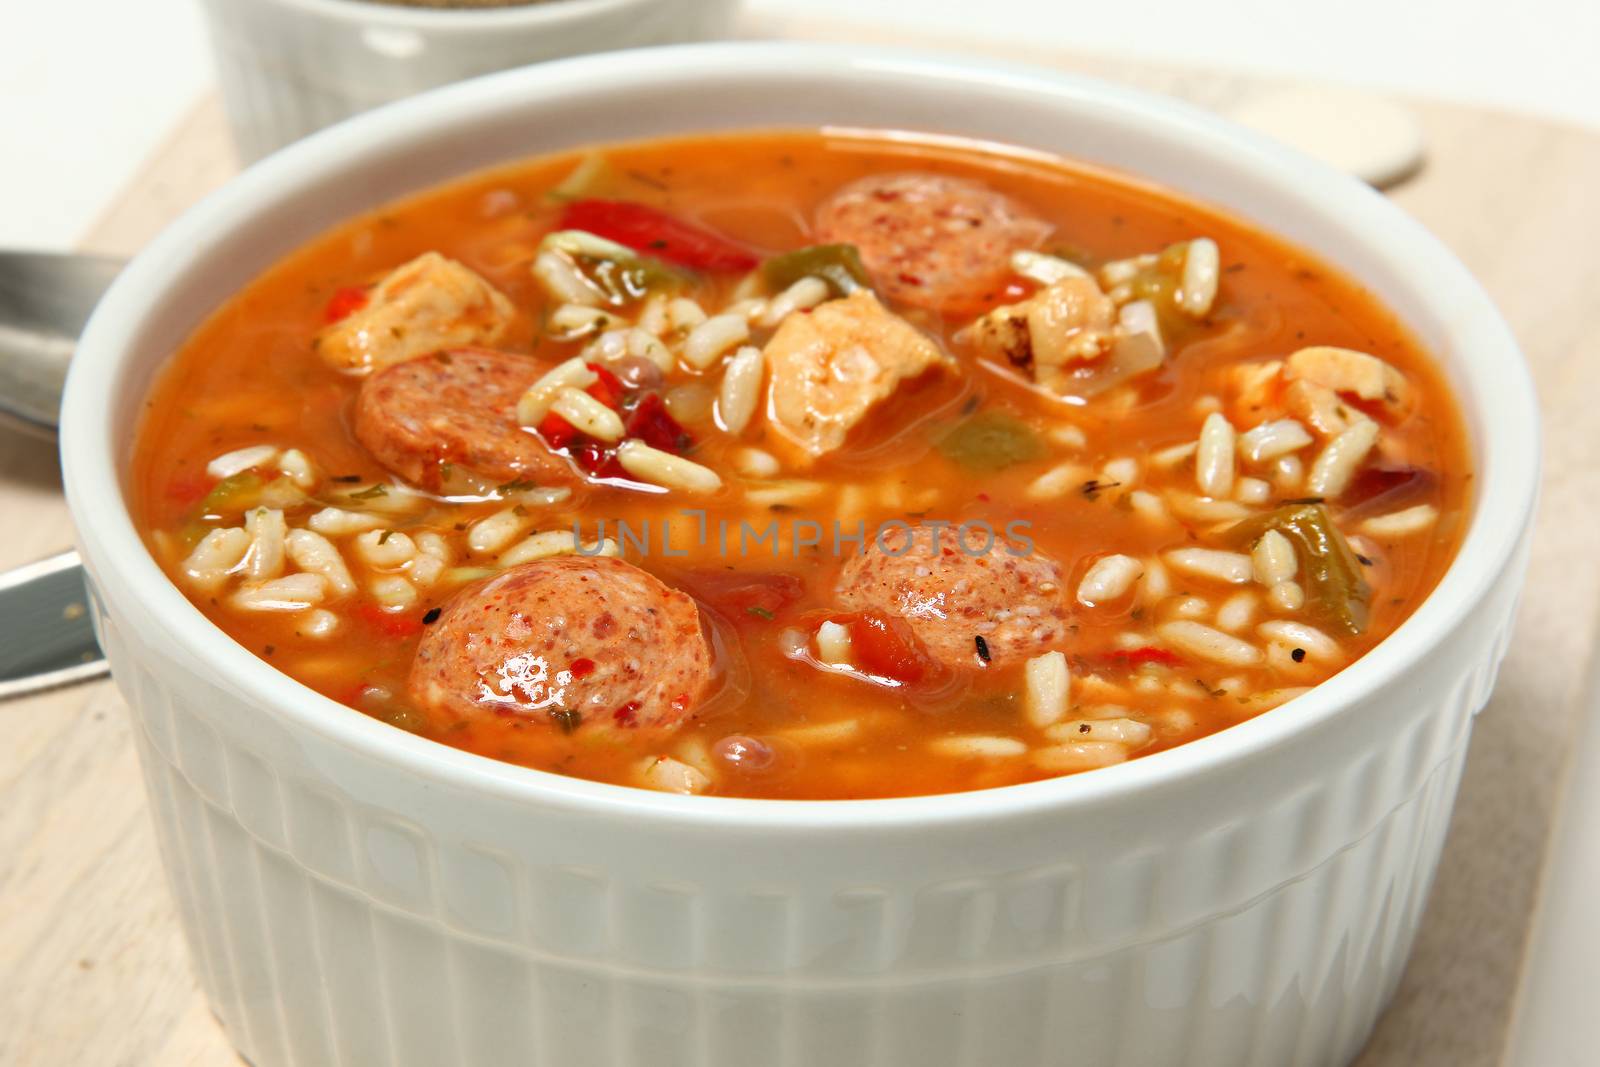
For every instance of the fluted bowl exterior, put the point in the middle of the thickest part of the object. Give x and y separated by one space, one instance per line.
353 894
290 67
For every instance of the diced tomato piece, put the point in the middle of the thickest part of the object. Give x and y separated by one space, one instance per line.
655 233
581 668
189 489
344 303
556 431
1147 654
885 647
651 423
608 389
390 624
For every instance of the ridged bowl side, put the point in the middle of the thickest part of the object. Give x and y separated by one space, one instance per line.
341 912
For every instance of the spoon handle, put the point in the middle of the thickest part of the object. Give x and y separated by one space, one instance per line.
46 638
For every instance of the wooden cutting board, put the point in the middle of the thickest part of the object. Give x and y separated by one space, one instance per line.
92 965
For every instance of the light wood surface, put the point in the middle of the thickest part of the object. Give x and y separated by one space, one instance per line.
92 965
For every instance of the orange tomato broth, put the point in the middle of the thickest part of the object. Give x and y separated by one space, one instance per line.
249 373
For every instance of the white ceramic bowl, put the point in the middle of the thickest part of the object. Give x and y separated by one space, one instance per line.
289 67
355 894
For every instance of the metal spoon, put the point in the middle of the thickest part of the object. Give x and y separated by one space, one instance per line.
45 298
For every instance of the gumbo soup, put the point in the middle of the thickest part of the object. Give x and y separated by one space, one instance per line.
804 464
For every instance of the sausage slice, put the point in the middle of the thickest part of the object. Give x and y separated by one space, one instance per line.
455 407
930 240
570 640
952 593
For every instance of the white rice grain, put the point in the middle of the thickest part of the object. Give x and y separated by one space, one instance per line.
217 554
1155 584
756 463
1057 482
1123 472
833 643
1339 460
1194 508
804 294
432 560
740 391
684 314
978 746
319 623
296 466
240 460
1109 578
1287 596
1149 507
1318 645
572 321
1271 439
708 341
653 315
541 545
1288 474
1273 559
1399 524
1214 456
646 345
1252 491
587 415
664 469
392 592
564 281
292 592
1047 687
385 549
1045 269
675 776
1208 643
316 554
1212 563
1167 458
1235 613
1120 731
267 531
1079 756
494 532
1202 268
534 404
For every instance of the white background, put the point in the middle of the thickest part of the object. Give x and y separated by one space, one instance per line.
88 88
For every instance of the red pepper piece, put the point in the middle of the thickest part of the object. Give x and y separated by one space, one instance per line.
390 624
651 423
1147 654
581 668
607 388
345 302
598 460
556 431
655 233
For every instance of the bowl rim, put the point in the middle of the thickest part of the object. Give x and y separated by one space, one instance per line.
1508 456
531 14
